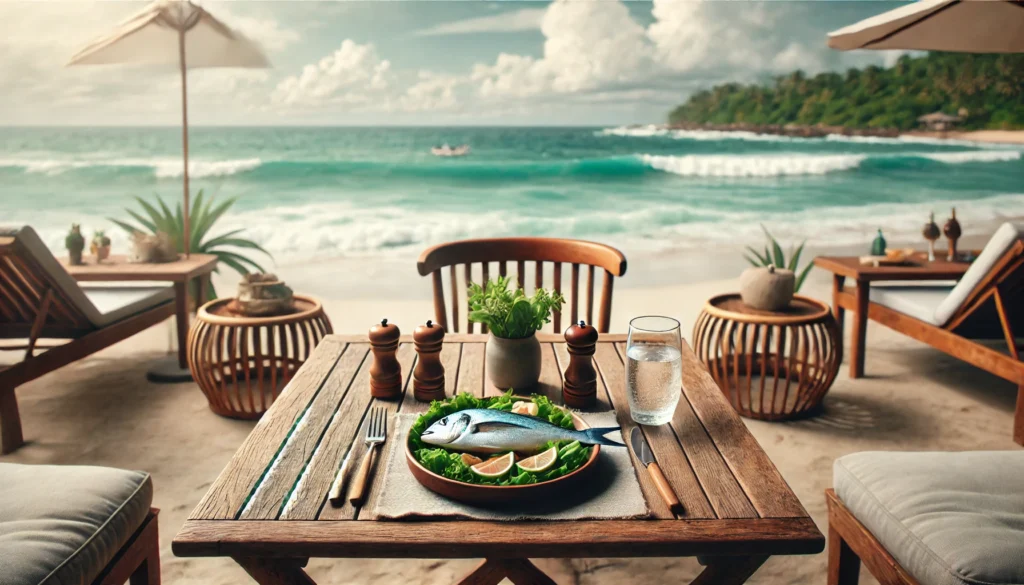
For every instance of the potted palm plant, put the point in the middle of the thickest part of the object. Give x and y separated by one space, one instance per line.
513 319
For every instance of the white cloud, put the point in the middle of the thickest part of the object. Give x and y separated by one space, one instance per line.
518 20
353 74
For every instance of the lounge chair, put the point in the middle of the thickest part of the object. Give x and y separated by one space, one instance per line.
927 518
988 299
63 525
505 251
39 300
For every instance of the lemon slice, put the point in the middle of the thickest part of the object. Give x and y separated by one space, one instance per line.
540 462
471 460
527 408
495 467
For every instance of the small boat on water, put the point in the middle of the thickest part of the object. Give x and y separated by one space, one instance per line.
447 150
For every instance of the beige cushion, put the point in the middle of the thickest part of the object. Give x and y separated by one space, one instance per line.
947 518
919 302
101 305
61 525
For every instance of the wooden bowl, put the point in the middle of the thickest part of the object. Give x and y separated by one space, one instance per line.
500 494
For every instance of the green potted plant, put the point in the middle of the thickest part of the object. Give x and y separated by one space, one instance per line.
75 243
513 319
100 246
771 283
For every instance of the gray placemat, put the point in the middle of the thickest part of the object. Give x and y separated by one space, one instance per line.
613 491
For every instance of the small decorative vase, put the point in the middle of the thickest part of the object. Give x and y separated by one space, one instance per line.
952 231
75 256
878 246
931 233
102 253
513 363
768 288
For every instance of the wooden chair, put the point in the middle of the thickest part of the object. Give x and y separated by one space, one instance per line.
537 251
952 319
39 300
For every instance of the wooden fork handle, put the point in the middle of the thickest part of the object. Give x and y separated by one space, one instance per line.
360 483
664 489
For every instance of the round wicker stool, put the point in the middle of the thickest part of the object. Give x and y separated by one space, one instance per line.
242 363
770 365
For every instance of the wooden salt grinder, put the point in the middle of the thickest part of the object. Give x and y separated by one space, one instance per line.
952 231
580 387
428 376
386 372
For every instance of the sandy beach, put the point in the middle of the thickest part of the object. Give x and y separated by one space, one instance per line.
102 411
992 136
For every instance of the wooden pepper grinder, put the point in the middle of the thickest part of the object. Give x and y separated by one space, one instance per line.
580 387
952 231
386 372
428 376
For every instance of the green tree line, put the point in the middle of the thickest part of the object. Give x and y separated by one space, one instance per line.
989 89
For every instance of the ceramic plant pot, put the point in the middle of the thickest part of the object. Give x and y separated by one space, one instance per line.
768 288
513 363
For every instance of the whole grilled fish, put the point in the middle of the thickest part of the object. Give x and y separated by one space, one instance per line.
482 430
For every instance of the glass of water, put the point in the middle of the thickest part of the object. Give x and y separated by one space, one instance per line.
654 369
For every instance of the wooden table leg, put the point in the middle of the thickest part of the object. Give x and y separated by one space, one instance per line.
518 571
729 570
860 330
181 318
275 571
203 288
838 312
843 563
10 422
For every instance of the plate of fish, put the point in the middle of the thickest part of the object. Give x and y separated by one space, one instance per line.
502 449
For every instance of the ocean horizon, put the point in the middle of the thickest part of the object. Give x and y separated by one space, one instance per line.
346 191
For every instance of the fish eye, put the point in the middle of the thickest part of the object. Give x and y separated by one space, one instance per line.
443 422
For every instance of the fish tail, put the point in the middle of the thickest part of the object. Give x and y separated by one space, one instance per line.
597 436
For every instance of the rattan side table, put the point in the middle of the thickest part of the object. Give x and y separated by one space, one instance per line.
770 365
242 363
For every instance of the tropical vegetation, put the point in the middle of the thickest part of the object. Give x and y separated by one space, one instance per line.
986 90
228 247
509 313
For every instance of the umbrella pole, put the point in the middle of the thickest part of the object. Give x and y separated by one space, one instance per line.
187 235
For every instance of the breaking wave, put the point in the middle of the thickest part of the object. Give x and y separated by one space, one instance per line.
162 168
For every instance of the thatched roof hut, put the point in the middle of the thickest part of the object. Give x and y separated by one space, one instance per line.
939 121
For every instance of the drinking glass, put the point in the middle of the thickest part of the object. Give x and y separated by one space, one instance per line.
654 369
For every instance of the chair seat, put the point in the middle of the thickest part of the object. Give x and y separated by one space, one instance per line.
947 518
61 525
919 302
114 303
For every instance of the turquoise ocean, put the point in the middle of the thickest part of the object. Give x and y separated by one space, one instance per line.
342 192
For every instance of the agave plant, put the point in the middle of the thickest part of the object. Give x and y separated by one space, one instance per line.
773 255
204 214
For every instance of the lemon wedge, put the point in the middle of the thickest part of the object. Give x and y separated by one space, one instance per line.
471 460
523 407
540 462
495 467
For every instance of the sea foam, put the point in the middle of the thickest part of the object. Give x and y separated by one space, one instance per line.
163 168
752 165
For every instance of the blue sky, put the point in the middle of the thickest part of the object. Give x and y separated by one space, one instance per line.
427 62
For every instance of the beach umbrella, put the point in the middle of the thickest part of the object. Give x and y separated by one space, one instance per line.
963 26
174 32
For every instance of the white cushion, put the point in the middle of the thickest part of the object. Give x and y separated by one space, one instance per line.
919 302
115 303
99 304
936 303
1005 237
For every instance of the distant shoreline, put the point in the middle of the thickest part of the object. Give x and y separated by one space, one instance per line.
798 131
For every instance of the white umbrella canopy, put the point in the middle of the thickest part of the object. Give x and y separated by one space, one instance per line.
963 26
174 32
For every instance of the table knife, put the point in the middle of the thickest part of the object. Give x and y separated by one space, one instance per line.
643 452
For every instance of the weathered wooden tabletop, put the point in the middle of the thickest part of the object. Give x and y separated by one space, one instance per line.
269 510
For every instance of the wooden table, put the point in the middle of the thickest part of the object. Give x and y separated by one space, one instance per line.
738 508
116 268
843 267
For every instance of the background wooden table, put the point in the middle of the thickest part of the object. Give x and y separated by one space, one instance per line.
116 268
268 508
843 267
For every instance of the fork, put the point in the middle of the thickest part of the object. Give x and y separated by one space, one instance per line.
376 433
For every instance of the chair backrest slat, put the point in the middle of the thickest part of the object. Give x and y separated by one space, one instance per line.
455 297
574 298
590 294
523 250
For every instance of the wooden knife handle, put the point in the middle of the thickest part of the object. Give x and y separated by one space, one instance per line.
357 493
337 493
665 489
